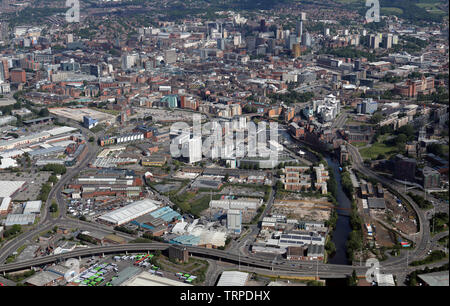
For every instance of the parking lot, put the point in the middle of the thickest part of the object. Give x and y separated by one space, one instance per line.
103 271
31 189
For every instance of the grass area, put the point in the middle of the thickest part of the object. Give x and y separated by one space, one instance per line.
433 257
391 11
439 223
376 149
187 202
359 144
98 128
431 7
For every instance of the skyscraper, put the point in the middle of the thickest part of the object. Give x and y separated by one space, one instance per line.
374 41
300 25
192 149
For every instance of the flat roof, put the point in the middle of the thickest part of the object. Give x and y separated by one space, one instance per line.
376 203
435 278
147 279
130 212
233 278
20 219
32 207
8 188
42 278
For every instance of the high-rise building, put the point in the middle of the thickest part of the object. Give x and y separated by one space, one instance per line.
299 27
374 41
262 25
170 56
4 69
221 44
296 50
306 39
18 76
3 30
192 149
234 220
293 39
251 43
128 61
387 41
431 178
404 168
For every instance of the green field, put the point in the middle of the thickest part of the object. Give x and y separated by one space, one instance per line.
391 11
376 149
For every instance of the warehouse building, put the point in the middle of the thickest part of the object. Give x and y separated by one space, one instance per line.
233 279
148 279
5 204
19 219
130 212
9 188
32 207
240 204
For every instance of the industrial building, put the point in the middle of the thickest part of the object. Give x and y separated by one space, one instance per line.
130 212
233 279
148 279
19 219
9 188
32 207
239 204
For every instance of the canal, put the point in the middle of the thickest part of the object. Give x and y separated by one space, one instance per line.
343 228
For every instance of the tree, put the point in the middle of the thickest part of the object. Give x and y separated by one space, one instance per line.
54 206
436 149
353 279
376 118
401 139
44 112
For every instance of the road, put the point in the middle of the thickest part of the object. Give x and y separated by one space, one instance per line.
47 222
393 265
422 239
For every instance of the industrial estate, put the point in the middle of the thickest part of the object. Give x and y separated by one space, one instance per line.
224 143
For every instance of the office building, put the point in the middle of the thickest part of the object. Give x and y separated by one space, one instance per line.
170 56
368 106
404 168
431 178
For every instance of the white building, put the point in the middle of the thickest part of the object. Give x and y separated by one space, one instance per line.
19 219
328 108
234 221
192 149
239 204
233 279
130 212
32 207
